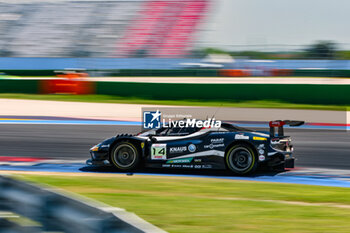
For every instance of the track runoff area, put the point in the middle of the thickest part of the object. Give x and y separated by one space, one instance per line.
57 144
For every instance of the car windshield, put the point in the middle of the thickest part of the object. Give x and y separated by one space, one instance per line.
172 131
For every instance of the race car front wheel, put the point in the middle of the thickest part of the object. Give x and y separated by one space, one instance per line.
124 156
241 159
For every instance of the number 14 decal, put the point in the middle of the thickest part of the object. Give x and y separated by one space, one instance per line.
158 151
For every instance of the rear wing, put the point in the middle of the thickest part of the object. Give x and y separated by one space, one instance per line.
279 124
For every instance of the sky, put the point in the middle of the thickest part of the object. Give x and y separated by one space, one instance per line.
287 23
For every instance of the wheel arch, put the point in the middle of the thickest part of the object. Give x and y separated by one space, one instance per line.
127 138
248 144
241 142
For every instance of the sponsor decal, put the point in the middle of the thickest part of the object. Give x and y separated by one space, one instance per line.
158 152
187 166
105 146
261 151
241 136
261 157
178 149
259 139
217 140
151 120
184 160
198 160
212 146
207 166
177 166
192 148
142 145
261 146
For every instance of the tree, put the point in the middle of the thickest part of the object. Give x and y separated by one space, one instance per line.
321 50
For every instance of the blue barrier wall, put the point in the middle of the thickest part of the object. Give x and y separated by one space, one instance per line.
290 64
24 63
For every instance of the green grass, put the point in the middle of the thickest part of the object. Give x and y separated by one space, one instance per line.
133 100
212 205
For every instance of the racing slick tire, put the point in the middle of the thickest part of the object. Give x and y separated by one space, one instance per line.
241 159
125 156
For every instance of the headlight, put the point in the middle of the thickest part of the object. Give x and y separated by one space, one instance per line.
95 148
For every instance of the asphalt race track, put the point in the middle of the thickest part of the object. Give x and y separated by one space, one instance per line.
313 148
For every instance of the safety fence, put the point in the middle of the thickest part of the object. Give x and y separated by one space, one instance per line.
292 93
52 211
195 72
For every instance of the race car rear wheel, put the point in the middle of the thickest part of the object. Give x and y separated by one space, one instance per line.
241 159
124 156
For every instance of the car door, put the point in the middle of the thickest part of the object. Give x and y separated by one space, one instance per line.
175 143
178 145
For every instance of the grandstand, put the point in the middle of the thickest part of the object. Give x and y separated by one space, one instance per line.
62 28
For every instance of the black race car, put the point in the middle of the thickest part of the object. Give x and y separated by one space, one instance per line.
227 147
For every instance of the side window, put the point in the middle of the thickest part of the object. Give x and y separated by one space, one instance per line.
177 131
162 131
174 131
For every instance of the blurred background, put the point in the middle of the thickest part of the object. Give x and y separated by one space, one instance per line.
74 72
113 28
199 34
